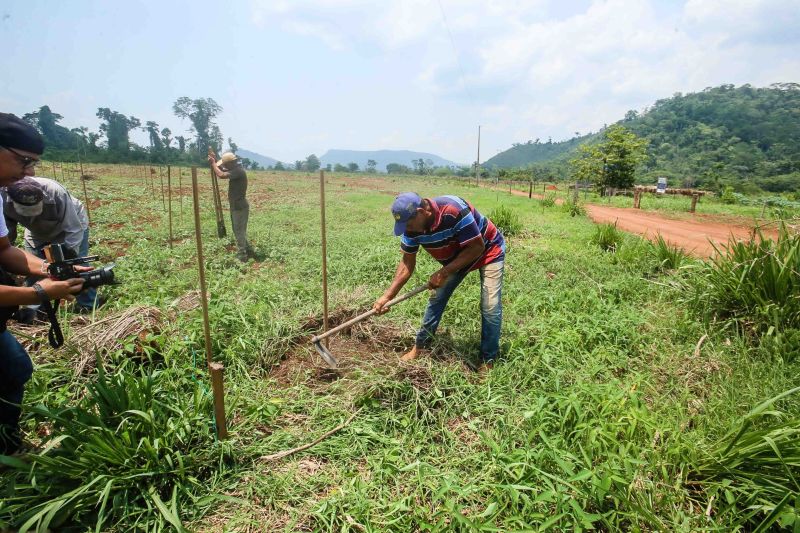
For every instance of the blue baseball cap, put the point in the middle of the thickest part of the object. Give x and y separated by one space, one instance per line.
404 207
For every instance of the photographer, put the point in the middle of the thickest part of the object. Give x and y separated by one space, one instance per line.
20 148
49 214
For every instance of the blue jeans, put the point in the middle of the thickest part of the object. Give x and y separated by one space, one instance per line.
491 309
15 370
85 298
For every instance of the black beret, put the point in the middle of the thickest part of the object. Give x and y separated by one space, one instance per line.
16 133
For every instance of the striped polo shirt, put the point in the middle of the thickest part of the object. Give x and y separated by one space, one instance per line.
456 224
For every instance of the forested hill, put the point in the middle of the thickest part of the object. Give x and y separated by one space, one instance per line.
534 151
722 132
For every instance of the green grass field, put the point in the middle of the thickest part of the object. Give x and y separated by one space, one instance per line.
604 413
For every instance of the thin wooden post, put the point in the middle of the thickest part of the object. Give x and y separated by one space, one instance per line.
215 369
218 389
161 179
169 202
530 190
478 160
180 196
695 197
86 196
324 253
55 176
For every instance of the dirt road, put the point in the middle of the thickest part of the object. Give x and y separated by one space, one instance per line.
694 236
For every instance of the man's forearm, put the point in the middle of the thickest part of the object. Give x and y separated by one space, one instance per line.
18 296
18 261
401 277
467 256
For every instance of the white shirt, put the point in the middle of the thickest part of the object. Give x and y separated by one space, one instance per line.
3 227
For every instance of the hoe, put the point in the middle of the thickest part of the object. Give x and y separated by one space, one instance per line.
326 355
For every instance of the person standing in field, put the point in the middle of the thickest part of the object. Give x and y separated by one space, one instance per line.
230 168
458 236
20 148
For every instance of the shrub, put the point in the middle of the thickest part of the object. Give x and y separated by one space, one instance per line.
607 237
667 256
548 200
573 208
728 197
753 285
506 220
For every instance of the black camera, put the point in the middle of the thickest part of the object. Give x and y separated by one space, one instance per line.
63 268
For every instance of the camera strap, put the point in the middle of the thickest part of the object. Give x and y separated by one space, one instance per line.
54 334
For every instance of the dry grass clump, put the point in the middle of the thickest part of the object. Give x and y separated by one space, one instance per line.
109 334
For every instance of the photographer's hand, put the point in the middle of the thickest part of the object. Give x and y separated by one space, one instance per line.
58 290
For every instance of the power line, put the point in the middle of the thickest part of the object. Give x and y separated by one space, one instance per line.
455 52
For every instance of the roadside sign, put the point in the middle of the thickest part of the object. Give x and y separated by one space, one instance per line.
662 186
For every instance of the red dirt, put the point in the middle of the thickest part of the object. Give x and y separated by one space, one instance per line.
694 236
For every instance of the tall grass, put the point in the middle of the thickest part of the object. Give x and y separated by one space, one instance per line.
667 256
574 208
753 285
751 476
548 200
131 453
506 220
607 237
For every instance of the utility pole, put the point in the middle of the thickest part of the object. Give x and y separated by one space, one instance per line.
478 160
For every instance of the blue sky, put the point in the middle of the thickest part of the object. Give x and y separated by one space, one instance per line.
302 76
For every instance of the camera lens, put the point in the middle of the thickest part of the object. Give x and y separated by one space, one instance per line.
98 277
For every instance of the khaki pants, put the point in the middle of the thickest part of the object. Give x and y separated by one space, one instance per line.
240 213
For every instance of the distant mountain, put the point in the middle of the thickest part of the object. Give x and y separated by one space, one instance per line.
262 160
381 157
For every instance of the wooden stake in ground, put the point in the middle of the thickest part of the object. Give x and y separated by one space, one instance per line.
169 203
180 196
324 254
478 160
150 181
55 176
221 232
161 179
695 197
530 190
216 369
85 196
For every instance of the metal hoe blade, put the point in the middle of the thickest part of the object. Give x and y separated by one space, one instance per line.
326 355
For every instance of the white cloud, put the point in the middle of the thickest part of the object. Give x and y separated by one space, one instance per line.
537 68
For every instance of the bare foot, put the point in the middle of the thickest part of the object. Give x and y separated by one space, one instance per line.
413 354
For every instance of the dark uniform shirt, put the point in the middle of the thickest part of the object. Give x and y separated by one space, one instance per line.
237 186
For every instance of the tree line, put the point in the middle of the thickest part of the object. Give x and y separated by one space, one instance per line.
747 138
112 143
